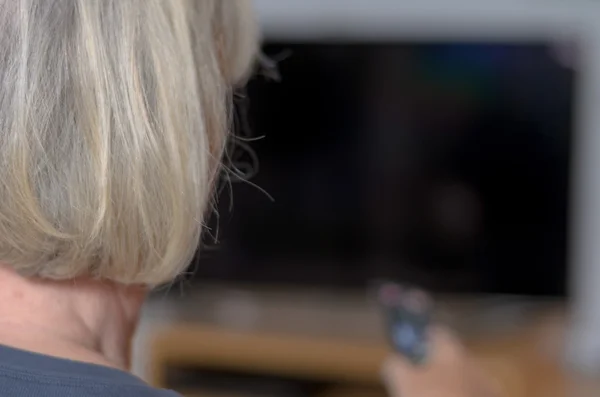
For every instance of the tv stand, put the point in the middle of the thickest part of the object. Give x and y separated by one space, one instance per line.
338 340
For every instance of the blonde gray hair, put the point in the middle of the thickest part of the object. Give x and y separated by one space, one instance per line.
113 115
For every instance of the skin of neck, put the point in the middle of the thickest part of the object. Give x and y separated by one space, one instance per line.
82 319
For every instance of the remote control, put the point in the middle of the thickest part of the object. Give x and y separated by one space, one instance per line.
407 314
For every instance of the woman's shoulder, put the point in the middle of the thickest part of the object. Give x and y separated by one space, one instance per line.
25 373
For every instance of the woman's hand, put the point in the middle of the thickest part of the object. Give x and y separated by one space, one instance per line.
448 373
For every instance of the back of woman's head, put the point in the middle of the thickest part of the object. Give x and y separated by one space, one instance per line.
113 118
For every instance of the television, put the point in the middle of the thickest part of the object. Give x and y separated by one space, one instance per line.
440 163
456 145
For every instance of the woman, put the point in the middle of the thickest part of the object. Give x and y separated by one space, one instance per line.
114 115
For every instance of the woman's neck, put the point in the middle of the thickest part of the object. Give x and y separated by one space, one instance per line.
82 319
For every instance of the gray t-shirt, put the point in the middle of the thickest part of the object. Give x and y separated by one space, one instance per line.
25 374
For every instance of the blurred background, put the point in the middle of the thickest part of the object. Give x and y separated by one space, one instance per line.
363 151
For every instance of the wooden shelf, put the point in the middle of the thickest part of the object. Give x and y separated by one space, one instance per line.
290 356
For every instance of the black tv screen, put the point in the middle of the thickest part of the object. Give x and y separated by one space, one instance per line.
441 164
